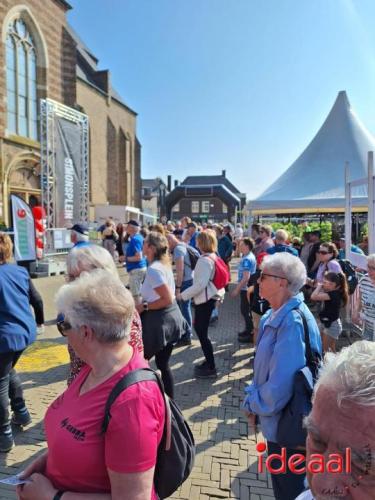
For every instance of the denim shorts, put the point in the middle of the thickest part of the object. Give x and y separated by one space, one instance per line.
334 330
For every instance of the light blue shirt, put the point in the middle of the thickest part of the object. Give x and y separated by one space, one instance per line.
247 264
280 354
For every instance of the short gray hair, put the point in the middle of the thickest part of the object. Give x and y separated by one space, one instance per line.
281 235
288 266
80 236
88 258
98 300
351 373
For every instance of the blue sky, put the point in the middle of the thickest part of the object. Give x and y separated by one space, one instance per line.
240 85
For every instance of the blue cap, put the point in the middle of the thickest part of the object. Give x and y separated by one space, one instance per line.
80 228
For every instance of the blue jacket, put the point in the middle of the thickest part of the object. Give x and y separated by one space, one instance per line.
280 354
17 324
282 248
224 247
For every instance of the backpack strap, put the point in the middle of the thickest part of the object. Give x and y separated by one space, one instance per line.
131 378
309 355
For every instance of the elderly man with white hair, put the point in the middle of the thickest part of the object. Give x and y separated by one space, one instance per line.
281 244
79 235
281 353
342 418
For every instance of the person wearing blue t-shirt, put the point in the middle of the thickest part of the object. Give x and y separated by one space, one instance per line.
246 268
353 248
281 245
191 234
135 262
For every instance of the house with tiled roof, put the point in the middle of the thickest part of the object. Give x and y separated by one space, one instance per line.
205 198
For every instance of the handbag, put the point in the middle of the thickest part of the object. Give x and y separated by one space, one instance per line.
290 430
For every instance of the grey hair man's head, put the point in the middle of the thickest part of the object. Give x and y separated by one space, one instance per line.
342 419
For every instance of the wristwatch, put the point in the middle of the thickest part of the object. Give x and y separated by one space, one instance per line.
145 305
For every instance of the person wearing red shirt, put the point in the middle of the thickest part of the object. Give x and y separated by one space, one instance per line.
81 461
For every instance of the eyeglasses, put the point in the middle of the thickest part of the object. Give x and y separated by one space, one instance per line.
262 275
323 252
63 326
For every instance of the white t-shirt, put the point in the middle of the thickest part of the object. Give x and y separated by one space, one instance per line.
306 495
157 274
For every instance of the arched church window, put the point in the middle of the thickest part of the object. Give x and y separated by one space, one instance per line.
21 69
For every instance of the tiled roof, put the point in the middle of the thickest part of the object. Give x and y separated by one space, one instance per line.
196 180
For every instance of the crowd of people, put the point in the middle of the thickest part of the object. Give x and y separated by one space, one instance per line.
177 279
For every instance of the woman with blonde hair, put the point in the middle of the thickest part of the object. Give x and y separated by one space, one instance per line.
86 259
162 321
17 331
205 296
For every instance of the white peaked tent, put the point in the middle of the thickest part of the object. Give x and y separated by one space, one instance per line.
315 182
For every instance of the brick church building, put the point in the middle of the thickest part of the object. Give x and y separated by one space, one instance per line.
42 57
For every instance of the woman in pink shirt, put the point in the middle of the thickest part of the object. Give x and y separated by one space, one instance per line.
81 462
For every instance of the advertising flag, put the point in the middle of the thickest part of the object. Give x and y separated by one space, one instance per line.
24 230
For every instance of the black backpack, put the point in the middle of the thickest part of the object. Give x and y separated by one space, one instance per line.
350 273
176 451
193 256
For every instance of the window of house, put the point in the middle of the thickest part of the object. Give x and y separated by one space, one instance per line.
21 67
176 208
225 209
195 207
205 207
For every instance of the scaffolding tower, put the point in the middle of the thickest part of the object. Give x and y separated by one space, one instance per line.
51 109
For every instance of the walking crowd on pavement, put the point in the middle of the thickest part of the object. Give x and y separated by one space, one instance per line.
307 399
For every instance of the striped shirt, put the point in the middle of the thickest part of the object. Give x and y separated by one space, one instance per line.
367 289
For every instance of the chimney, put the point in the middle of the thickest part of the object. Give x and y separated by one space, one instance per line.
175 183
223 172
169 183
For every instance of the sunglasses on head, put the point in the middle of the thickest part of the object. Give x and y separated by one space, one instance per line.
63 326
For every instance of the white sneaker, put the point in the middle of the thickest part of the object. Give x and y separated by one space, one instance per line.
40 329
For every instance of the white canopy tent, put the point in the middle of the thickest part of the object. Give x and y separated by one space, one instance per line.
315 182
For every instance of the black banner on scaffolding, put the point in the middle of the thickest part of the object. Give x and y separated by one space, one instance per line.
69 177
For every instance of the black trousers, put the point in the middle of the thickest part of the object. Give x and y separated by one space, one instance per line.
37 304
246 312
201 323
162 362
10 387
286 486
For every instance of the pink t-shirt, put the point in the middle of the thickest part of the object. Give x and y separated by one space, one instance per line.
79 455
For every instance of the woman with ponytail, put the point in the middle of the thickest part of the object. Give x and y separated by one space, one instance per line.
333 293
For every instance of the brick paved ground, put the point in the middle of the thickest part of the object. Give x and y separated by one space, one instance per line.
226 457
